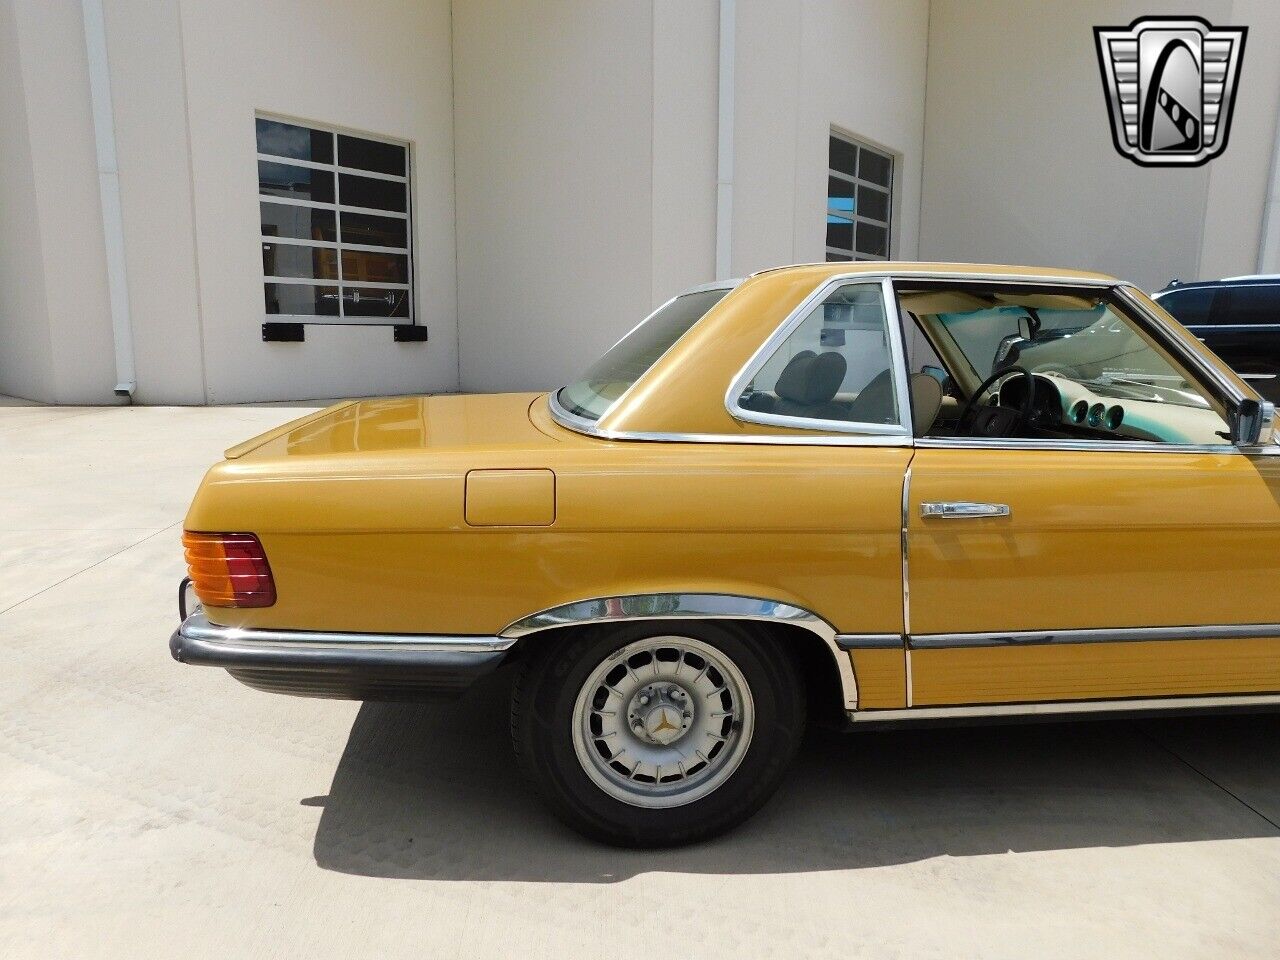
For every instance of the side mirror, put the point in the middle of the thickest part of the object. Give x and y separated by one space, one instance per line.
1253 423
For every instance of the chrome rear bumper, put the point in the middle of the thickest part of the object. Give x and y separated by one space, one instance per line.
345 666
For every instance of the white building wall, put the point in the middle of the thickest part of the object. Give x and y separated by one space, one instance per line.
554 126
1239 179
1019 164
148 88
686 37
52 263
26 359
858 65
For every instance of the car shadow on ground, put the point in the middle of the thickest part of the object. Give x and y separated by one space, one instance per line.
431 791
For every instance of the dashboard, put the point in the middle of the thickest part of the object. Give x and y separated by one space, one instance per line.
1064 407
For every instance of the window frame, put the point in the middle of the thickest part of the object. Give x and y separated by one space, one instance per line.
338 246
852 255
765 352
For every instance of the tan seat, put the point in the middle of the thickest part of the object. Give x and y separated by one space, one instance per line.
926 401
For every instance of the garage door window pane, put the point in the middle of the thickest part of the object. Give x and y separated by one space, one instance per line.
873 203
366 267
297 143
373 231
844 156
301 300
841 195
367 192
370 155
372 302
839 232
298 183
873 167
294 260
301 223
873 241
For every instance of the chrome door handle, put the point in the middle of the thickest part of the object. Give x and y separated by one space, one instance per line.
963 510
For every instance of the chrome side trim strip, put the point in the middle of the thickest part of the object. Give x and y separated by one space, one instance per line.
1066 707
869 641
696 606
1017 638
199 627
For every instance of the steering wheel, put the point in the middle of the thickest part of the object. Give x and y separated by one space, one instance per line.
997 421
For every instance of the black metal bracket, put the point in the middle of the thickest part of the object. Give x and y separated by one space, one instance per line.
283 333
410 333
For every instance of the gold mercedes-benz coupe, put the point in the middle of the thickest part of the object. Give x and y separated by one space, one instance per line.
874 492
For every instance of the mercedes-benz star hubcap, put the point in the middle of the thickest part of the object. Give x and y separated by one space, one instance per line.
663 721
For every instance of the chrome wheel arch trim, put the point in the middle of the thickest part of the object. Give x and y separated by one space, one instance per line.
704 606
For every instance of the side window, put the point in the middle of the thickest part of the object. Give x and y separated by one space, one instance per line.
1251 305
835 366
1191 308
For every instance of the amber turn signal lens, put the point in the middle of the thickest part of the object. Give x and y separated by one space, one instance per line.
228 569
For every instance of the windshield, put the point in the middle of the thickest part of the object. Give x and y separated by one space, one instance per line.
628 359
1091 343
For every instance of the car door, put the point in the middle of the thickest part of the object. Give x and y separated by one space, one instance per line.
1098 575
1043 571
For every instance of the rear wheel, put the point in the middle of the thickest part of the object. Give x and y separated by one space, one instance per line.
650 734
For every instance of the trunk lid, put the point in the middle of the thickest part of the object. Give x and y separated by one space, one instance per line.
400 424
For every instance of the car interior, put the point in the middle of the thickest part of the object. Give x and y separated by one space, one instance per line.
1036 364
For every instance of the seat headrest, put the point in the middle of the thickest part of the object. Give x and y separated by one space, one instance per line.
926 401
811 378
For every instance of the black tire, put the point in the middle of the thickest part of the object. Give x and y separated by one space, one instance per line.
542 708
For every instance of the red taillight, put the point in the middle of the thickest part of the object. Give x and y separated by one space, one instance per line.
229 569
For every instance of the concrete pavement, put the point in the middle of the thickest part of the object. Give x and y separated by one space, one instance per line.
153 810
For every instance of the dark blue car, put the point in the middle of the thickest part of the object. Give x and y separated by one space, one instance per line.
1239 319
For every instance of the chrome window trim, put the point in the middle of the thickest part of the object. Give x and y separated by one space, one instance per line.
726 285
590 429
766 350
1067 707
695 606
1100 446
199 627
1233 327
1020 638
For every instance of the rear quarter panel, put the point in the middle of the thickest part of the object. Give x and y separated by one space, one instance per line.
381 542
